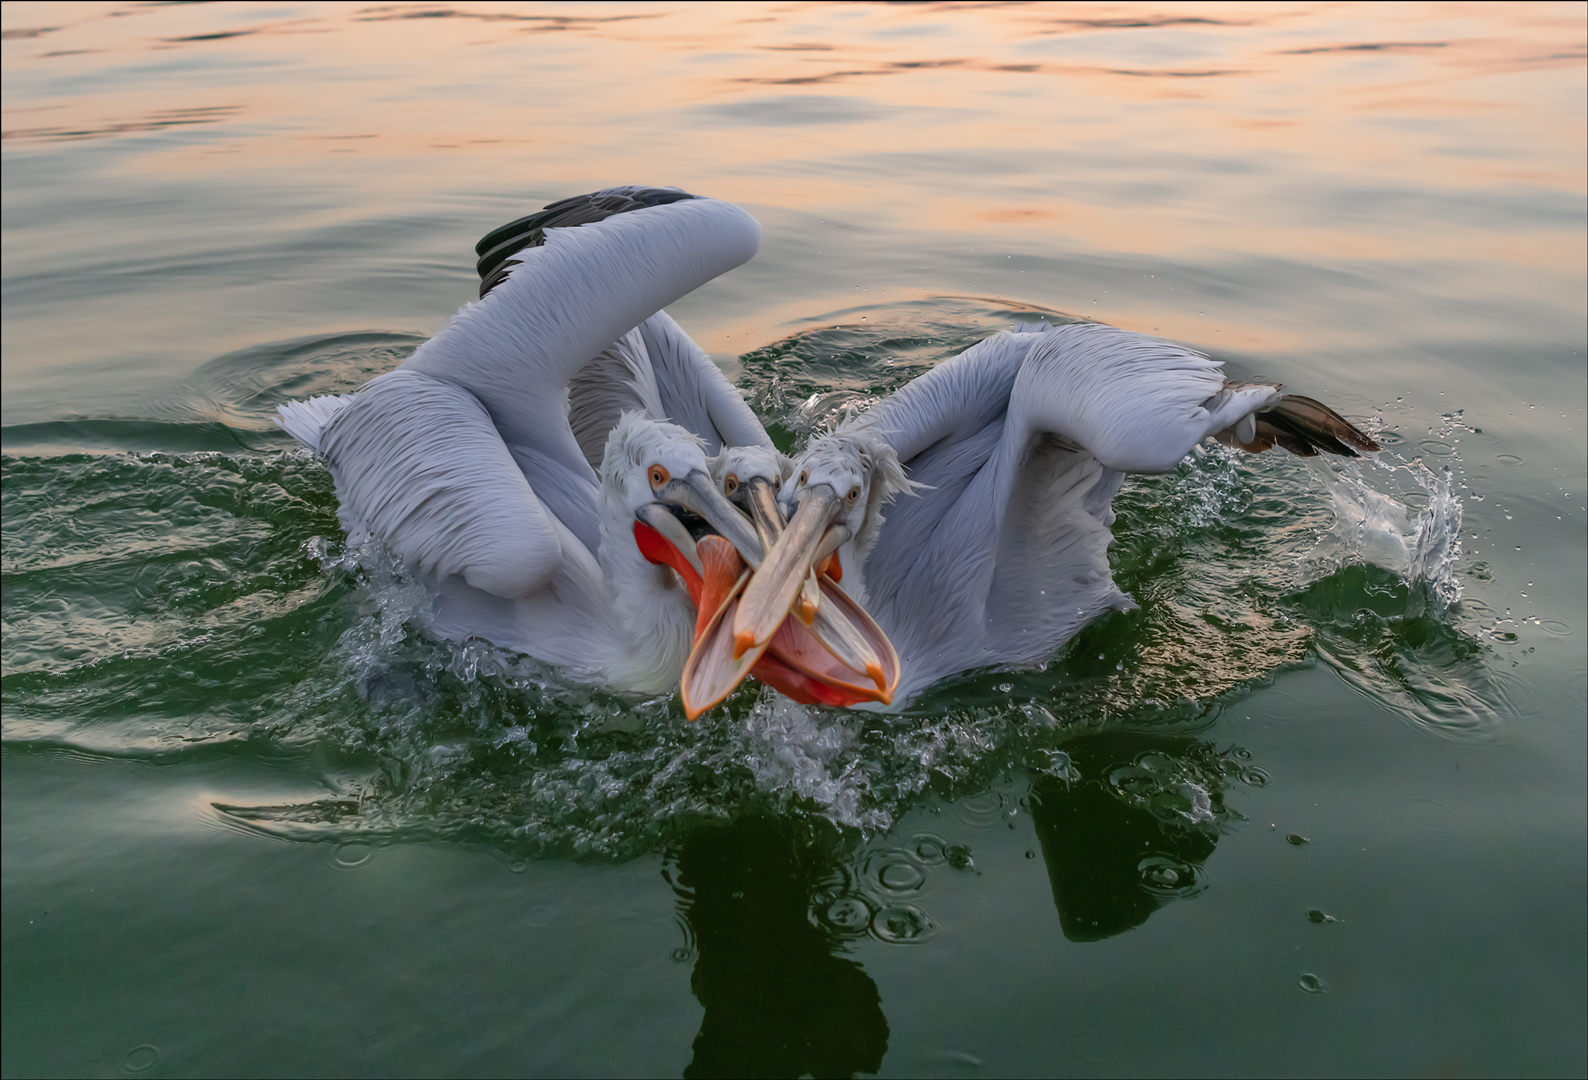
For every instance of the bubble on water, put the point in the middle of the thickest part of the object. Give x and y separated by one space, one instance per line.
1296 839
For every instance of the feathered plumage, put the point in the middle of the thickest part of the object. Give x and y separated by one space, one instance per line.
476 460
1014 451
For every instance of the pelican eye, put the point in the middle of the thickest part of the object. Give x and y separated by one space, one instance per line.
730 484
777 483
659 475
805 477
854 493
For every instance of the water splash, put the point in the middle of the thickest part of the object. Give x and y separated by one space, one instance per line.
1421 547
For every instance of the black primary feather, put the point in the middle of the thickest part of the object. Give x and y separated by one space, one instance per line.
499 245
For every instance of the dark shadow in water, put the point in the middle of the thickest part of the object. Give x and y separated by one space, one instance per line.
780 998
1113 864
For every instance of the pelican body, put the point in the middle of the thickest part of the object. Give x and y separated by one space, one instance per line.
544 463
997 471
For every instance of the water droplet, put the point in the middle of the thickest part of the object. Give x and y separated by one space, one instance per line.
1297 839
140 1058
1312 984
958 856
1168 878
681 955
901 924
1318 916
1031 854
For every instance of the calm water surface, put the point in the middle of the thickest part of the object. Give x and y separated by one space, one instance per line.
1318 807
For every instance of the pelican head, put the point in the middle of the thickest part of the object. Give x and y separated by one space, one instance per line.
843 479
841 483
751 477
657 473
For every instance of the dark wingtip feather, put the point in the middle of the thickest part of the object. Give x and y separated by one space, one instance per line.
1305 427
499 245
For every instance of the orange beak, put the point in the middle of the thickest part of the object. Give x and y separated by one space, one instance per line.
794 660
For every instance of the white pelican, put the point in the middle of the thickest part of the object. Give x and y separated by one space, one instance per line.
1014 451
475 461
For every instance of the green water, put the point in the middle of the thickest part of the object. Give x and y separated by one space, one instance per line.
1314 808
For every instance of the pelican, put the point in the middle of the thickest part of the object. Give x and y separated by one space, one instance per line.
538 464
1009 456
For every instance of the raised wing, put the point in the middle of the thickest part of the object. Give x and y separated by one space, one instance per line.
568 293
1023 441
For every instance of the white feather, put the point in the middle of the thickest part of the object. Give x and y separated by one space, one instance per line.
305 420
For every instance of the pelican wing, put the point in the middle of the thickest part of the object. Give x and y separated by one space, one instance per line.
568 294
658 369
418 463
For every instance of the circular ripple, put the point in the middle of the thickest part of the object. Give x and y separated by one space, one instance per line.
140 1059
981 811
849 915
901 875
1429 814
929 849
352 855
901 924
1252 776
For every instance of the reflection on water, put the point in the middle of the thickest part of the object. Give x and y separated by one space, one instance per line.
780 998
1130 832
